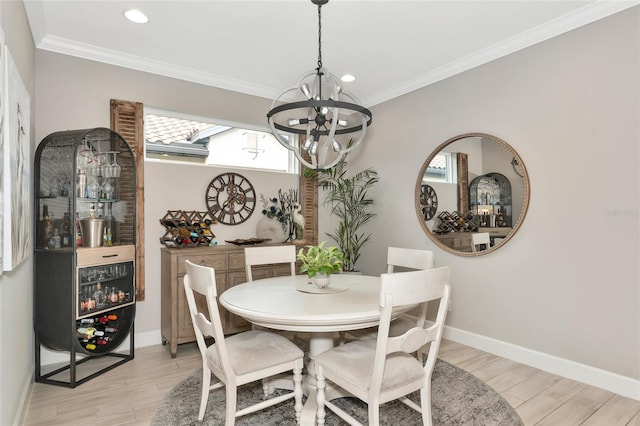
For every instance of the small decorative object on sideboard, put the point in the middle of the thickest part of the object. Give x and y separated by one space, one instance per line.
187 229
280 222
247 242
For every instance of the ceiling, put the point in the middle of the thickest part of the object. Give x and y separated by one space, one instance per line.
262 47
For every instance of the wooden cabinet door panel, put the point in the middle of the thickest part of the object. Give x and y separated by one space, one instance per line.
234 322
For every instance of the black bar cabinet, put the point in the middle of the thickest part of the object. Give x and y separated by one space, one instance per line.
84 260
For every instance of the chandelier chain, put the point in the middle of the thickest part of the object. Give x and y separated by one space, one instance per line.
319 36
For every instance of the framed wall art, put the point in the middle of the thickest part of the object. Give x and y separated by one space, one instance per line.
16 147
2 102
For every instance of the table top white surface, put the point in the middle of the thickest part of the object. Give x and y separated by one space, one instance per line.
275 303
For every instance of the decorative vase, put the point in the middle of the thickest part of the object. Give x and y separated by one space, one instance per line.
321 280
272 229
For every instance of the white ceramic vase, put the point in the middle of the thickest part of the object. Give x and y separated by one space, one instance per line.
271 229
321 280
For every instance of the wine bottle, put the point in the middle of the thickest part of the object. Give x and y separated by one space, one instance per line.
45 227
99 296
78 231
65 231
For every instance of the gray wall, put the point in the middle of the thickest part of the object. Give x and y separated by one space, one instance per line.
16 313
568 284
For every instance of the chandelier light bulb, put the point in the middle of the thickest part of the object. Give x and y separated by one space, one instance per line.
305 90
307 143
314 148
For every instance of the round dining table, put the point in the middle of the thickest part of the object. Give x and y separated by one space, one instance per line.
289 303
294 303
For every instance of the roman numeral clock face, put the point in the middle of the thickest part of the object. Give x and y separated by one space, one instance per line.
230 198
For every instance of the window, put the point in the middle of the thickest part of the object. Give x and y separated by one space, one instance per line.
171 136
442 169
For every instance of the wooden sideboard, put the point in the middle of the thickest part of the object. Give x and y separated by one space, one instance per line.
228 262
461 241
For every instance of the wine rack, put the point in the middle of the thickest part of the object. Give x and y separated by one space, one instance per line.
454 222
187 228
84 276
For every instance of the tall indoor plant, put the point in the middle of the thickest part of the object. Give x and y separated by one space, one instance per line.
348 195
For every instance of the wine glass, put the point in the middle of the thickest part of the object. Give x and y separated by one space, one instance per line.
114 166
101 163
108 188
93 188
85 157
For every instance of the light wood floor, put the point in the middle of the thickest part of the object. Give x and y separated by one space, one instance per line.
129 394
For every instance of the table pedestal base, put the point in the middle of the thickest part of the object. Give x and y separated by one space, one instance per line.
320 342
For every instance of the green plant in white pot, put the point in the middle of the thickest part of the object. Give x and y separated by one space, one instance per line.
348 195
319 262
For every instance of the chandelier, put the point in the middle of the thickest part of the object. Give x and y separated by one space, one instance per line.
331 119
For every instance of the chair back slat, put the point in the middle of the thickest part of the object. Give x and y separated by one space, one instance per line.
204 325
408 258
412 340
269 255
202 280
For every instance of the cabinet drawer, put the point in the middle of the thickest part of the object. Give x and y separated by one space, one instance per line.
99 255
217 261
236 260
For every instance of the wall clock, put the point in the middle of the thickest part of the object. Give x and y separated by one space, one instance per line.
230 198
428 201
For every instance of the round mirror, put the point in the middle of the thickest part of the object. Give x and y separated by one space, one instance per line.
472 194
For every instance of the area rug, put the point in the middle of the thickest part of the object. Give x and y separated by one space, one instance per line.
458 398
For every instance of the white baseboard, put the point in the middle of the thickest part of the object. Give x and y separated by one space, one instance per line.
592 376
27 388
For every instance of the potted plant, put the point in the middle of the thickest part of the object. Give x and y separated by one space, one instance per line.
320 261
349 199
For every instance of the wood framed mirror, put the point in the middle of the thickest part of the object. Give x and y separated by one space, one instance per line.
471 185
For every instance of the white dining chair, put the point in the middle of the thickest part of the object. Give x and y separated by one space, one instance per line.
382 370
238 359
405 258
269 255
408 258
478 239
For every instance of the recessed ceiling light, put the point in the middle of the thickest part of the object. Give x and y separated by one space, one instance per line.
348 78
136 16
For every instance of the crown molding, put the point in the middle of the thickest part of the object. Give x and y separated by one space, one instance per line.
583 16
139 63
